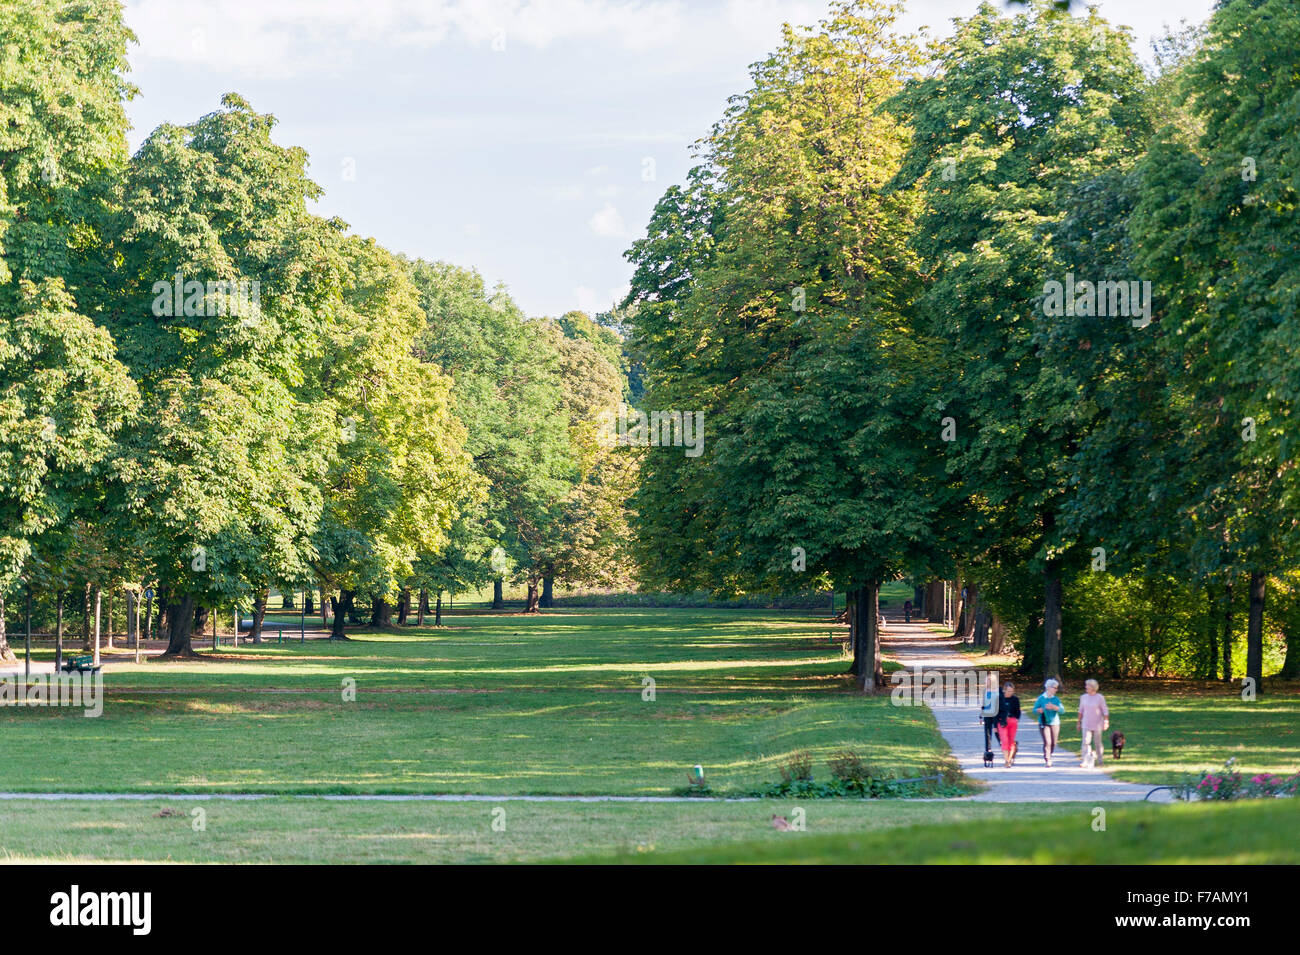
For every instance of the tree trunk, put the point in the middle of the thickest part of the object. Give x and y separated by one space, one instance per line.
498 598
404 607
87 609
934 601
259 614
308 605
997 636
531 606
980 631
58 632
422 606
342 608
877 658
381 612
868 618
1227 632
851 615
6 654
1255 632
164 614
548 593
437 614
1212 631
1291 665
964 619
1052 620
108 630
286 601
180 630
1033 635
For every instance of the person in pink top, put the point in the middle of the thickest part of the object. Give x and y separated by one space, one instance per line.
1094 720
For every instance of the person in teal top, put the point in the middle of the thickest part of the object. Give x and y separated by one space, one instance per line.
1048 708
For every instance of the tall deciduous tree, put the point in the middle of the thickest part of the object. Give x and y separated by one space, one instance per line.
399 471
1217 230
63 394
216 310
783 320
508 395
1019 111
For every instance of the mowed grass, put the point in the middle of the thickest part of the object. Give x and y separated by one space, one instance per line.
498 704
1256 832
317 831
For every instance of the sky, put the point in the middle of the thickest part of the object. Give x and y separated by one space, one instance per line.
527 139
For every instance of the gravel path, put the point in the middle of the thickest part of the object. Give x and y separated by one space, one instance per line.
1029 780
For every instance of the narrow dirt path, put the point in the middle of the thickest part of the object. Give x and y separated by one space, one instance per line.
1029 779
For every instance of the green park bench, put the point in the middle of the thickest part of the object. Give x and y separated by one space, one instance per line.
84 663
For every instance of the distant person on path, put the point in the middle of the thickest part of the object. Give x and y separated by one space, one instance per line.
907 611
1048 708
1008 720
1094 720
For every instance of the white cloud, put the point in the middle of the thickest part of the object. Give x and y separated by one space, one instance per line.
608 222
285 38
563 193
590 301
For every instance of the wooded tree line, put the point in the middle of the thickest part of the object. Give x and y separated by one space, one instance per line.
906 284
208 391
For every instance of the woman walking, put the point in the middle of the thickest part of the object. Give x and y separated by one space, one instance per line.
1048 708
1094 720
1008 720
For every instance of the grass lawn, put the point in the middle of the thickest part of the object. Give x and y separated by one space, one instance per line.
1258 831
553 704
286 830
490 703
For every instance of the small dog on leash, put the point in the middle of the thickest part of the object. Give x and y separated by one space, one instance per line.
988 758
1117 744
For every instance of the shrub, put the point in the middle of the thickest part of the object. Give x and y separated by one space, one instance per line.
847 767
799 768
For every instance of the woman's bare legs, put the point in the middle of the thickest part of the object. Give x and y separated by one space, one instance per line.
1049 733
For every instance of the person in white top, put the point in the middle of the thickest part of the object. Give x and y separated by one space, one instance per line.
1094 720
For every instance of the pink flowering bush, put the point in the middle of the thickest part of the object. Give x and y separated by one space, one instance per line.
1228 784
1270 784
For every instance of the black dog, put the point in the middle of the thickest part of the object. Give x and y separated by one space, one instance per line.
988 758
1117 744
